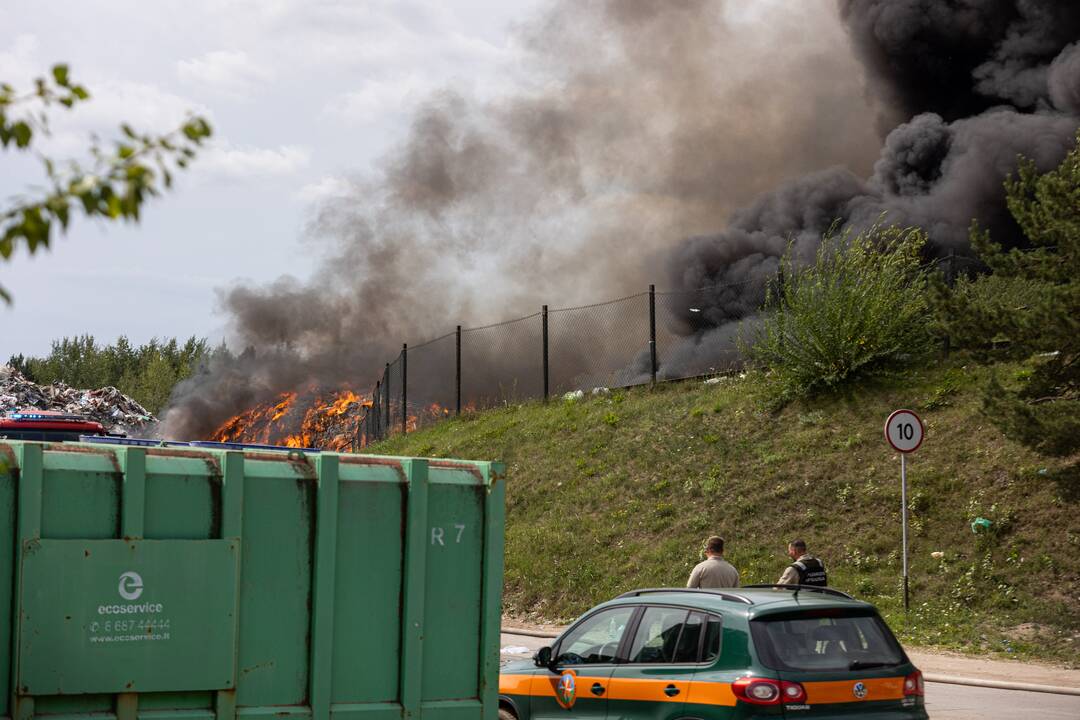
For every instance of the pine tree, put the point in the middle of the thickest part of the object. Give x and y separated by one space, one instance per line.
1029 309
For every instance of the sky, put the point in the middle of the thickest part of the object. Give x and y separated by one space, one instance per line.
302 95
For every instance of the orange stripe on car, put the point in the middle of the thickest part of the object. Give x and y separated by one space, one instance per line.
843 691
544 685
711 693
645 689
515 684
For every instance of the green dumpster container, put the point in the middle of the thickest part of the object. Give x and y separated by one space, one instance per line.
192 584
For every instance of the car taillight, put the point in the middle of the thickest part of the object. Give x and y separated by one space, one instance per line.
913 684
793 692
759 691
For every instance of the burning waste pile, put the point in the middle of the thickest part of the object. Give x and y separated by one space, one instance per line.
108 406
308 419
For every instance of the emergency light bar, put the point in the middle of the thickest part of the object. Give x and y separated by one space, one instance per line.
47 417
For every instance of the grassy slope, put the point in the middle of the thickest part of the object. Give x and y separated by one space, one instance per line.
619 491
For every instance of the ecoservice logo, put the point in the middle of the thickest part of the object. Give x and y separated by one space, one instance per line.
131 585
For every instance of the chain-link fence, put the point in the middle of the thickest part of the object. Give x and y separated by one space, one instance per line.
633 340
502 364
601 345
644 338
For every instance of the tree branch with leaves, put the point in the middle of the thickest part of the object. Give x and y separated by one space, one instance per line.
120 176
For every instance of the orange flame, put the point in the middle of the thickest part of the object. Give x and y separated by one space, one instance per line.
310 418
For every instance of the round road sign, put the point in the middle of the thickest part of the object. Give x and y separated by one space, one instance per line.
904 431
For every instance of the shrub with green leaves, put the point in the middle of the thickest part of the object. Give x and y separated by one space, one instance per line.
858 309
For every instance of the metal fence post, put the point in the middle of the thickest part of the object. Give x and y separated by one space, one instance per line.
377 408
652 331
457 374
405 388
386 387
544 321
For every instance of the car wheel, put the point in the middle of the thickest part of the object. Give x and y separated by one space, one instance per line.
505 714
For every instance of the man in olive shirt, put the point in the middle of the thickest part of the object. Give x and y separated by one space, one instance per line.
806 569
714 571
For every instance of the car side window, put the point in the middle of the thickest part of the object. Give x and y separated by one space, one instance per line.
596 639
711 648
690 640
657 635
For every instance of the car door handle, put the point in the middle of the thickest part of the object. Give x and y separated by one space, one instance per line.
597 689
671 691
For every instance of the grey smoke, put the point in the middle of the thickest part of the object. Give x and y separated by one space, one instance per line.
637 123
1064 80
642 128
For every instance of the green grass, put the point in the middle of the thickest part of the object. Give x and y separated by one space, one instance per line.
616 492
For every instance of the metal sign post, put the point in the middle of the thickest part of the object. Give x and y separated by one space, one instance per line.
904 431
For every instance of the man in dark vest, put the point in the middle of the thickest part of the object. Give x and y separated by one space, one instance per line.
805 570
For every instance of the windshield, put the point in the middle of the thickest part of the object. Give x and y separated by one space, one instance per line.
826 641
596 638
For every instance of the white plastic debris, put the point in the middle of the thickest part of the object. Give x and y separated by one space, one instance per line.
937 554
515 650
713 381
574 395
601 391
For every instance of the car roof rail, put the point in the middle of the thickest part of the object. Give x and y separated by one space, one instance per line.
707 591
808 588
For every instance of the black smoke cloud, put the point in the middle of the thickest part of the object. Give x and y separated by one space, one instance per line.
636 123
962 89
958 58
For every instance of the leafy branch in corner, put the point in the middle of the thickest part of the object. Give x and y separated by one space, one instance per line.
121 175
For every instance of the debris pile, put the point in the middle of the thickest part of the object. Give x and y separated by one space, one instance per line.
108 406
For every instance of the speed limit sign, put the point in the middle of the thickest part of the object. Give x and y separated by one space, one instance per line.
904 431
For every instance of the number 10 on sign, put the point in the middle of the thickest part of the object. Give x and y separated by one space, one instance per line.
904 431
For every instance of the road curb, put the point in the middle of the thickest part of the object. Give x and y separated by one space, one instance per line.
528 633
928 677
999 684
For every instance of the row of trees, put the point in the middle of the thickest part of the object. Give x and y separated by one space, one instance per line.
147 372
870 305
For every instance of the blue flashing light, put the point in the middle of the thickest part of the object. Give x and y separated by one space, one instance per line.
48 417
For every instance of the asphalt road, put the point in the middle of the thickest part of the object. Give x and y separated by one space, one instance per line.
943 702
960 702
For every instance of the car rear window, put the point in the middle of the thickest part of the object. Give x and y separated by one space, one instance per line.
825 640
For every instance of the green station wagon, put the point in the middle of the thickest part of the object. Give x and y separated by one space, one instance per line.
751 652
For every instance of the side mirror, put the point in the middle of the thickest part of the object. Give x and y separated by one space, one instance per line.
542 658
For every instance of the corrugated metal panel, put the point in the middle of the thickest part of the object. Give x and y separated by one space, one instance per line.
196 583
